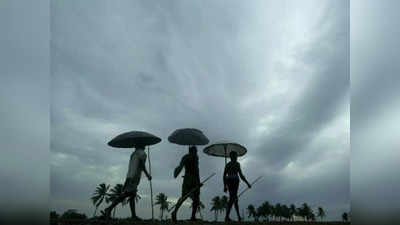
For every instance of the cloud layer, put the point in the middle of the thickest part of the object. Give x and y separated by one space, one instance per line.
273 76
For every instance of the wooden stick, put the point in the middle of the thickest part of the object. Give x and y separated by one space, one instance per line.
225 154
191 191
258 178
151 186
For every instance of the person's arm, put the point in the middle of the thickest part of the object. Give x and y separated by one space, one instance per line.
198 178
178 169
224 180
242 177
143 166
198 171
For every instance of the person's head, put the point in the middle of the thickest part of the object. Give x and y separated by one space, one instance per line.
233 156
193 150
140 146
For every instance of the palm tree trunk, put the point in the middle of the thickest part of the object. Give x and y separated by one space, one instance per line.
162 213
94 214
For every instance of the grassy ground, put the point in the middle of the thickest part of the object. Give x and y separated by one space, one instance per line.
127 221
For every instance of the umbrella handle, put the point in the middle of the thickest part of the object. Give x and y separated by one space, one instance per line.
151 186
225 153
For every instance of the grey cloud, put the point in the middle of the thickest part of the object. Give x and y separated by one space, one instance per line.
158 67
318 104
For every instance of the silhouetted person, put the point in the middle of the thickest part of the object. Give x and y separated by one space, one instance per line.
231 176
191 180
137 164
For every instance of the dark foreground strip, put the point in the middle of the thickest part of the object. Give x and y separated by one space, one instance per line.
184 222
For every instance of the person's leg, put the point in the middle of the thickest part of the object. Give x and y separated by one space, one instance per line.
177 206
130 188
195 205
132 205
228 209
108 210
230 202
236 200
186 188
237 209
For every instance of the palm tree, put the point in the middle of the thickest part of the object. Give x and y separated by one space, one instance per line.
272 212
99 195
321 213
265 210
293 211
278 211
286 212
251 210
345 217
215 206
304 211
224 203
259 212
162 200
114 194
311 215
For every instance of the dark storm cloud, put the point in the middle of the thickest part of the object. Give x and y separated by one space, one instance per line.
318 104
236 72
374 110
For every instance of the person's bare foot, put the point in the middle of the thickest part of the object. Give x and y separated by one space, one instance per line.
135 218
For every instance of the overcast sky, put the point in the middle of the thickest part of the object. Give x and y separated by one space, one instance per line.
270 75
24 110
375 110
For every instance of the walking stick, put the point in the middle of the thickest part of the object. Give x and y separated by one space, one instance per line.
191 191
151 186
255 181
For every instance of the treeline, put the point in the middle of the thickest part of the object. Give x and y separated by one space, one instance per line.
279 212
266 211
283 212
70 214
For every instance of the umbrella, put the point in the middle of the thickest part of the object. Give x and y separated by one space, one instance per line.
188 136
223 148
135 138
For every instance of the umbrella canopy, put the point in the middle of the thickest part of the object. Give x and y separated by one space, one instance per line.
188 136
223 148
133 138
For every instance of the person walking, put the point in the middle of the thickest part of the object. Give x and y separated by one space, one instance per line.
137 165
191 181
231 180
